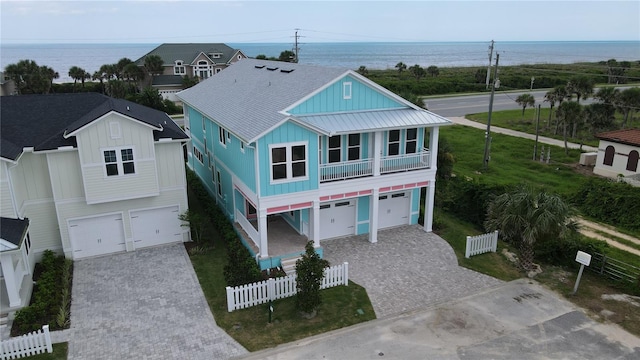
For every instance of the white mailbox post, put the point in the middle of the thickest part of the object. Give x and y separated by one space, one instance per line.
584 259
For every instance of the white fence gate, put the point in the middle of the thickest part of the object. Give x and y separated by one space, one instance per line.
36 342
481 244
253 294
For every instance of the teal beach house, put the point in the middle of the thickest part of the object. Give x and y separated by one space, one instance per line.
295 152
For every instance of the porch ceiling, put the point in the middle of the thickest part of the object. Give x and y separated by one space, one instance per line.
362 121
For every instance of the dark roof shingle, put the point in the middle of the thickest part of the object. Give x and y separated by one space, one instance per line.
13 230
41 121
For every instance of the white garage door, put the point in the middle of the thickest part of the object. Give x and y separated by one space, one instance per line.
97 236
393 209
156 226
337 219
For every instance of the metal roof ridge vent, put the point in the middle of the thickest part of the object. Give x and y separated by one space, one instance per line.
272 68
287 71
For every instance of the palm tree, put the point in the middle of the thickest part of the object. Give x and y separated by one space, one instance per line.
568 113
49 74
77 73
582 86
525 100
417 71
628 102
362 70
552 98
525 216
433 71
401 67
561 94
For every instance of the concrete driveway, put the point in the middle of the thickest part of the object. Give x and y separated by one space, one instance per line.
145 304
518 320
406 269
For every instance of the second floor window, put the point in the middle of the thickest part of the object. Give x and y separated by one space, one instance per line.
223 135
335 149
179 68
394 143
411 144
119 162
288 162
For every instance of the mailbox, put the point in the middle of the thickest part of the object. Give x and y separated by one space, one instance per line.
583 258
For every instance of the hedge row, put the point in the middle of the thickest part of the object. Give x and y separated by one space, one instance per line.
612 202
241 268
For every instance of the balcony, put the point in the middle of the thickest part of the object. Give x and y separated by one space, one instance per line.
366 167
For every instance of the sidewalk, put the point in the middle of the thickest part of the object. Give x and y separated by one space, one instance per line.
542 139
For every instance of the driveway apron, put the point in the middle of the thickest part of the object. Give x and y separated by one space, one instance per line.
146 304
406 269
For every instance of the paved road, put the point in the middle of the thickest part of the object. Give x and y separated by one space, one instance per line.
473 104
519 320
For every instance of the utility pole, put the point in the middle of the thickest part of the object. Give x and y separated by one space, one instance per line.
535 147
295 47
532 80
489 68
487 140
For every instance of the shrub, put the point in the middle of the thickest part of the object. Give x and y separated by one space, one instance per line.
612 202
467 200
563 252
310 271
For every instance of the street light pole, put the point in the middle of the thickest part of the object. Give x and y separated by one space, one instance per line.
488 133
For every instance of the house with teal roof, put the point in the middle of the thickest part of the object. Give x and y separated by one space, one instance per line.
295 152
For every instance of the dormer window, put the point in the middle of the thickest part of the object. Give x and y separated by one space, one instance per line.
179 68
203 70
215 55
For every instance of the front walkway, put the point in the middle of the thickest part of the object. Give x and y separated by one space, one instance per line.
146 304
406 269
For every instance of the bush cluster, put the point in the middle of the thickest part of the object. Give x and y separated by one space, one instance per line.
50 297
241 268
609 201
562 251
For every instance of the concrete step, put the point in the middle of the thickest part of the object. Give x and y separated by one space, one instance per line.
289 264
4 319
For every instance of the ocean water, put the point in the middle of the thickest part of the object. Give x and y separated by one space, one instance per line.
373 55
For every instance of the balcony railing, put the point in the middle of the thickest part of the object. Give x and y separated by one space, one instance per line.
388 164
405 162
346 170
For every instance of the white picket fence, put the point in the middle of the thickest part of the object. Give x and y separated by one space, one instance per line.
36 342
253 294
481 244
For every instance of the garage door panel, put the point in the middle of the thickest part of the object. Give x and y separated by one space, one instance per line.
156 226
97 236
337 219
393 209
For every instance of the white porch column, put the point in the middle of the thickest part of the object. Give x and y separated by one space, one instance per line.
262 232
377 152
373 220
315 213
428 205
433 147
13 288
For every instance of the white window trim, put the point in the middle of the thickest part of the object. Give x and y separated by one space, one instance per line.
347 90
289 163
223 135
119 162
407 140
198 155
242 146
218 184
179 68
359 146
389 142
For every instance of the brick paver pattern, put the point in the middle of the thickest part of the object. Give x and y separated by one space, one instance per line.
146 304
406 269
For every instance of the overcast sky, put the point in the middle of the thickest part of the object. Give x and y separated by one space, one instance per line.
318 21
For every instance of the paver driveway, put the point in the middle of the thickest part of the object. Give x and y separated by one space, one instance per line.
145 304
406 269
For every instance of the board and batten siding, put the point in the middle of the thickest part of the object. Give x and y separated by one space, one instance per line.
332 99
6 203
80 209
99 136
43 225
288 132
170 165
30 179
65 175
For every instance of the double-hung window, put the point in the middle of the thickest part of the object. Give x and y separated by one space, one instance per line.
119 161
335 149
223 135
393 143
411 144
353 147
288 162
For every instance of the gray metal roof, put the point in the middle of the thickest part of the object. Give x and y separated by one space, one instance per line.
187 52
249 99
343 123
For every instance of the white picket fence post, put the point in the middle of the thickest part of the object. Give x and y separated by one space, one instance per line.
481 244
36 342
253 294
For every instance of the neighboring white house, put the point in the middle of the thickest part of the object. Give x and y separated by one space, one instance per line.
84 175
618 153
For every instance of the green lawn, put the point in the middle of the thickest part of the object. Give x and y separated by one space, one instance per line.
59 353
511 160
513 119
